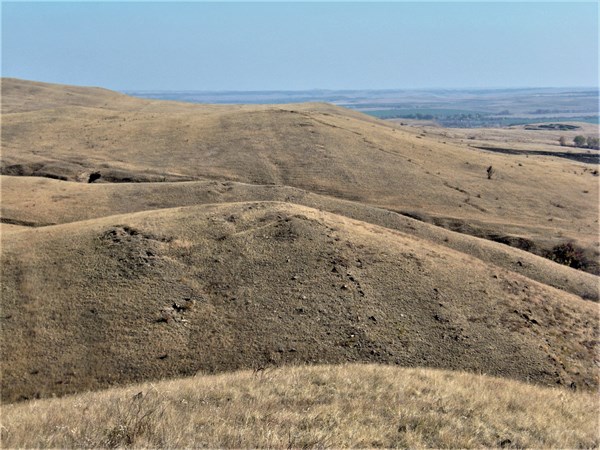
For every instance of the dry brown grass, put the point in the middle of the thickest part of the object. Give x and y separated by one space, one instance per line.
315 147
518 137
288 247
19 96
86 305
39 201
320 406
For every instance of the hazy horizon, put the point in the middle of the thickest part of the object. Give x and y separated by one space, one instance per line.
399 89
320 89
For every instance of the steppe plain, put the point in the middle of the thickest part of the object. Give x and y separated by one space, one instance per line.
305 274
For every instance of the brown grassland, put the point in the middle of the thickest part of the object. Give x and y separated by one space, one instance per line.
306 407
235 264
316 147
154 294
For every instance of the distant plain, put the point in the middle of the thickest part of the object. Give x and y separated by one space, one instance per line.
462 108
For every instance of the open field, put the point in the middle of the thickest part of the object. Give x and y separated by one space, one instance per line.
143 241
519 137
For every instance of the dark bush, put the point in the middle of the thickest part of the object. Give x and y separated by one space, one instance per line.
569 254
580 141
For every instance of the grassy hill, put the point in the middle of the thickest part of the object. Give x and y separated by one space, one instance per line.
223 287
145 240
315 147
34 202
322 406
20 96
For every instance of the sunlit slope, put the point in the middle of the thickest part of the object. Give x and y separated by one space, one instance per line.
334 406
36 202
316 147
251 285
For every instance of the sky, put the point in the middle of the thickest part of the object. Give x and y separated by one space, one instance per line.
299 46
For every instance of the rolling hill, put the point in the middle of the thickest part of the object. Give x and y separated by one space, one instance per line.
315 147
223 287
146 240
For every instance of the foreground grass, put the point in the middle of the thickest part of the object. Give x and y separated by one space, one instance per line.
321 406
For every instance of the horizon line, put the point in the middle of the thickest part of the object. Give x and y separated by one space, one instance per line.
314 89
398 89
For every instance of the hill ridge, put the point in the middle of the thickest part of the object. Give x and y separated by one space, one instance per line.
272 235
107 199
360 405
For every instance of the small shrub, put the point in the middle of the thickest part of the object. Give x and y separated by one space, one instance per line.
593 142
568 254
580 141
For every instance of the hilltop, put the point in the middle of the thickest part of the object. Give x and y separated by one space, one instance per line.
224 287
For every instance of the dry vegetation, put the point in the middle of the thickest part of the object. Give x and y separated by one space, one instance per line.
96 303
316 147
520 137
319 406
36 202
224 238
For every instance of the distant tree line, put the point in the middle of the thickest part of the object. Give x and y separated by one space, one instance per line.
580 141
456 117
418 116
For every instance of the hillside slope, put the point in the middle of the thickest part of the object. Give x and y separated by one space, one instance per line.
178 238
36 202
316 147
168 293
20 96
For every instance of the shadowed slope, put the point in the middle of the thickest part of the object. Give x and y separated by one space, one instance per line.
167 293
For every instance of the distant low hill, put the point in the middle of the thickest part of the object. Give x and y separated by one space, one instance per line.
463 108
26 96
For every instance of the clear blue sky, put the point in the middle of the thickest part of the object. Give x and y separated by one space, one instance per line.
294 46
